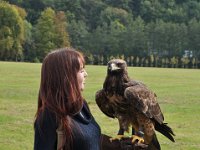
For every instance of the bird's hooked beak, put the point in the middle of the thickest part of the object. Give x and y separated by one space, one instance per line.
113 67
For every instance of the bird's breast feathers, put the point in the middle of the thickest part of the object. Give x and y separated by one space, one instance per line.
114 98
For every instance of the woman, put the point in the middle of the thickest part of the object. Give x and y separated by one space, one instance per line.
62 109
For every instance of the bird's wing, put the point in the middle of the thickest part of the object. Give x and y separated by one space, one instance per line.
103 103
144 101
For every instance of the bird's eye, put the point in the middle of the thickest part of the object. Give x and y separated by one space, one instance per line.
118 64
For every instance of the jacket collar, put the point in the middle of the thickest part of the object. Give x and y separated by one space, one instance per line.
84 115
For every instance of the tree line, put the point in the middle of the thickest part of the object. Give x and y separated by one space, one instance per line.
143 32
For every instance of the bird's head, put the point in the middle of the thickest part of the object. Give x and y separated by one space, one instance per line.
117 66
117 76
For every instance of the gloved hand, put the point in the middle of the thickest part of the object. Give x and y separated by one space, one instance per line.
123 144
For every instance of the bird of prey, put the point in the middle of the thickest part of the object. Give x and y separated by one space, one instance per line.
133 104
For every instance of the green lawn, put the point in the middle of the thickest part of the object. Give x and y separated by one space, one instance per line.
178 92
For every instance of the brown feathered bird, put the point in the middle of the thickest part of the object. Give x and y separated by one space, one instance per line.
133 104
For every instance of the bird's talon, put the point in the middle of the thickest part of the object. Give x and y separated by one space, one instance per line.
118 137
139 139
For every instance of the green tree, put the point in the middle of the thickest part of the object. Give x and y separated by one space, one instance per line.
28 46
91 10
150 34
11 32
146 62
78 34
116 21
114 38
138 39
192 8
132 59
109 39
156 60
194 36
101 47
176 38
167 39
173 61
182 40
45 33
124 4
151 59
62 39
158 37
194 60
185 61
112 14
137 61
151 10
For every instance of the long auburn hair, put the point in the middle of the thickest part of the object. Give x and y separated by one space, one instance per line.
59 89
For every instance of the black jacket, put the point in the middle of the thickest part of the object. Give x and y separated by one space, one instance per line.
86 132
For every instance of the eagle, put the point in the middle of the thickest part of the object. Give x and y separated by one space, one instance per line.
133 104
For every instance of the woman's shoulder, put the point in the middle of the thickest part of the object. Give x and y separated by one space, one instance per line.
46 117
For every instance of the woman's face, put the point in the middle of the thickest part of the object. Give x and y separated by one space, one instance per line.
81 75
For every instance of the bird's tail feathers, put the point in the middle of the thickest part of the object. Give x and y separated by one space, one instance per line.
165 130
154 144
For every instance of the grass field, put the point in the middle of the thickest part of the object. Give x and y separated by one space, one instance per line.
178 92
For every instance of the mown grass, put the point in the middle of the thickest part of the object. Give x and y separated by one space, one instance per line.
178 92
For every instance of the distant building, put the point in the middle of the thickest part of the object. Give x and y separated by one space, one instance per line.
188 53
